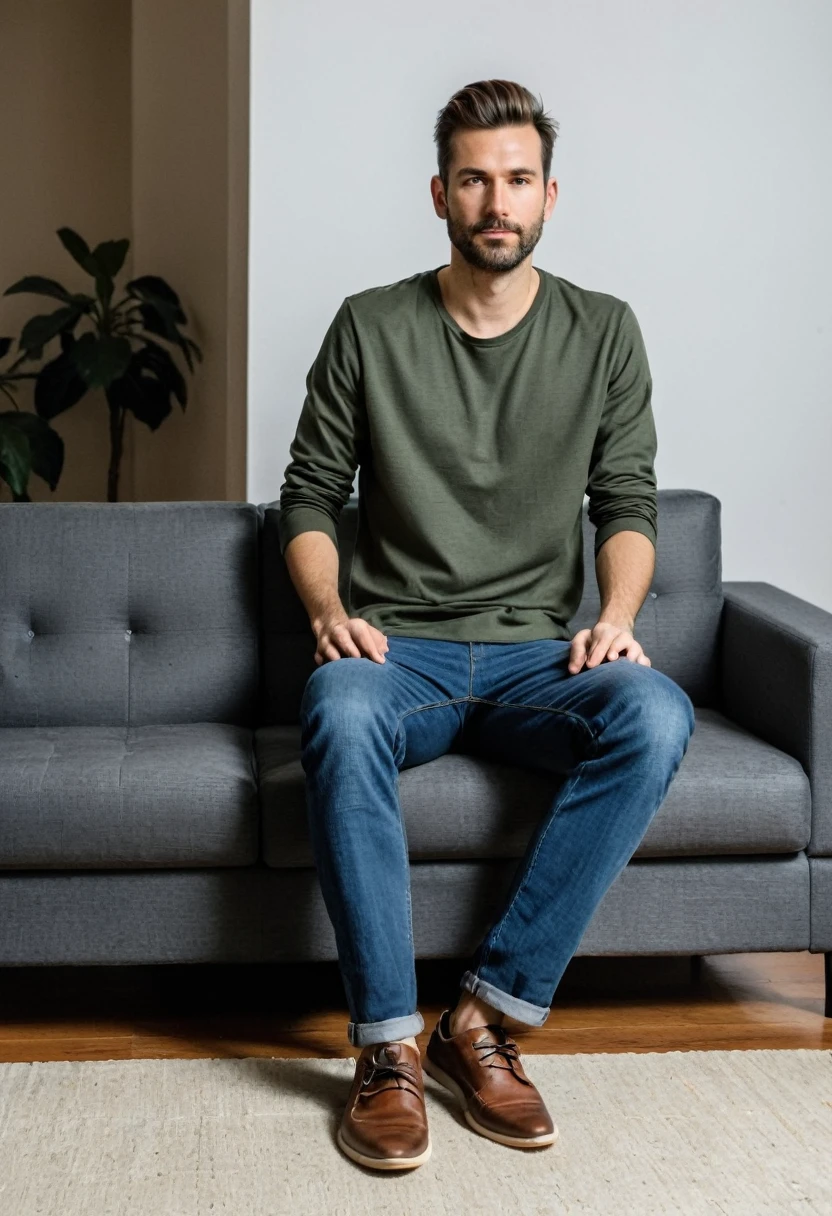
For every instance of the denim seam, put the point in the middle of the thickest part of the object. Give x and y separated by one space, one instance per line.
565 795
564 713
416 709
406 855
549 709
432 705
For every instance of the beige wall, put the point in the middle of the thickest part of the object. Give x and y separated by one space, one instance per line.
65 156
131 120
190 92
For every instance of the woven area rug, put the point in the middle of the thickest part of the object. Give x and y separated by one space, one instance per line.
730 1132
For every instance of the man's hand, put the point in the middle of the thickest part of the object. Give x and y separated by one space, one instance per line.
348 637
606 640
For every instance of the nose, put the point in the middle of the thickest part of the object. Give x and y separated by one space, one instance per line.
498 200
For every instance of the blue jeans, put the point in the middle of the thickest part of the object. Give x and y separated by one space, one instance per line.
617 732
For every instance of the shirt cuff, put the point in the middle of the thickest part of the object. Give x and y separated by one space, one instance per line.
624 523
294 520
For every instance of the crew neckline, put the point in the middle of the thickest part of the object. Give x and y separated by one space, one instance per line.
498 339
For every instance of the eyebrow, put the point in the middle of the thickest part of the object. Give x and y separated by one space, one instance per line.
482 172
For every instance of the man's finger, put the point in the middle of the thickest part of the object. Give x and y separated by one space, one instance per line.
344 639
578 657
611 646
597 652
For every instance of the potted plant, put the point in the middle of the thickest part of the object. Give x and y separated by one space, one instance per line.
28 444
117 352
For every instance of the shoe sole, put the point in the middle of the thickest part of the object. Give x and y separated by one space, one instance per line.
383 1163
449 1083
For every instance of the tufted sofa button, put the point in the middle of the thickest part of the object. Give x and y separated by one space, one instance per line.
31 633
128 632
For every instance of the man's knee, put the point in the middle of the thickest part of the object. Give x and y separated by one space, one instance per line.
344 692
668 710
662 709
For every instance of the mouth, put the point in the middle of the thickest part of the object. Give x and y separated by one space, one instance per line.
496 231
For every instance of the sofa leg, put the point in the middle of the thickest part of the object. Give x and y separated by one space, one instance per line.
827 972
695 968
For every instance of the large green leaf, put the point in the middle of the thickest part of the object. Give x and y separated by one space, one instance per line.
80 250
15 455
156 291
105 286
148 399
154 285
156 323
46 446
41 329
58 386
38 285
154 358
109 256
101 360
5 346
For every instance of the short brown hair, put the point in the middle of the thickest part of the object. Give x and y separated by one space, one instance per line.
493 103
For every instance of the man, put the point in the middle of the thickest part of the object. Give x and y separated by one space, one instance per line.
480 401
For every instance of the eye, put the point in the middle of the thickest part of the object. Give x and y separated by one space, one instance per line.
477 178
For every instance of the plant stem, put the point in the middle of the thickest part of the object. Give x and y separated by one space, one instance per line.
116 441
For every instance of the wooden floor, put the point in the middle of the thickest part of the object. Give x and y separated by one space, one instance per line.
735 1001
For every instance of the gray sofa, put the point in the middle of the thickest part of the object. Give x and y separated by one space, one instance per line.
152 660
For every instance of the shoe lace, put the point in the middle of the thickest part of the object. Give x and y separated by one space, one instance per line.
400 1071
506 1050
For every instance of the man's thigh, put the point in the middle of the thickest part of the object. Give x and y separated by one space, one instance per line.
415 700
431 679
530 710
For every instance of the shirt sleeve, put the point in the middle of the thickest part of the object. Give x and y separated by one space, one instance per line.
622 478
330 437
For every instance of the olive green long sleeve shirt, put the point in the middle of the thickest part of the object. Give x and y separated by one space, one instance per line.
474 455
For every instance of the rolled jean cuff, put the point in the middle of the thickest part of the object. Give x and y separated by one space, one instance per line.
523 1011
361 1034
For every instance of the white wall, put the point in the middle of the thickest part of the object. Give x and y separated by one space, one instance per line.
694 181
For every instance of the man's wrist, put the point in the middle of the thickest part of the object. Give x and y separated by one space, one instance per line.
617 616
327 617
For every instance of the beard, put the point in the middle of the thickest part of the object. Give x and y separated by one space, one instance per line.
492 253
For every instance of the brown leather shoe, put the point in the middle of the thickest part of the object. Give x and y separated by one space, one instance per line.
482 1069
385 1123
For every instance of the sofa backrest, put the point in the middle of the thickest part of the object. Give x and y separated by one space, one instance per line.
129 613
678 624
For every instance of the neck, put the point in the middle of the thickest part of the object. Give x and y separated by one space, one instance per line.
486 302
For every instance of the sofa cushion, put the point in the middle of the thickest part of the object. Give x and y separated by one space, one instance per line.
94 797
733 793
128 614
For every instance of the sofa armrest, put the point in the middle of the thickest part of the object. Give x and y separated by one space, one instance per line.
776 675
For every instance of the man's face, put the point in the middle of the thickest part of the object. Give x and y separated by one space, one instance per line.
495 182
